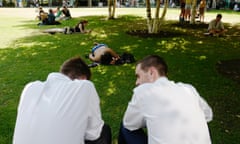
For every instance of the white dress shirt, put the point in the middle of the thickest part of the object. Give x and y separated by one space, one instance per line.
173 113
215 25
58 111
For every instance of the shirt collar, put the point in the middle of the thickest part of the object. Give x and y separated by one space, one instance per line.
161 79
57 75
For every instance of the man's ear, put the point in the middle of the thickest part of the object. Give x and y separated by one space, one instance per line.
152 70
153 73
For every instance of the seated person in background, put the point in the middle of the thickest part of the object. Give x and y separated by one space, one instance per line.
66 13
216 27
41 14
50 19
102 54
58 14
236 7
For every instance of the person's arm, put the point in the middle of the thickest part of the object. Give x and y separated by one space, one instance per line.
211 26
95 122
221 26
206 109
93 58
203 104
113 53
133 118
82 30
115 56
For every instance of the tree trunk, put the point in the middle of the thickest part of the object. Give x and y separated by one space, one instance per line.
214 4
164 10
111 8
156 21
49 3
193 12
148 9
149 17
154 24
89 3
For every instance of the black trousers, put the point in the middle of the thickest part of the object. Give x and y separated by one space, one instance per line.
105 137
132 137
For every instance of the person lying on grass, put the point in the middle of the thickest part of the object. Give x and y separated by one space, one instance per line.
102 54
78 28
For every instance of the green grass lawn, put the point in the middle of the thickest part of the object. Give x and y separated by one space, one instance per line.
191 57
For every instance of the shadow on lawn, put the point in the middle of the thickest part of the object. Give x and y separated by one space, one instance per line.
228 68
171 29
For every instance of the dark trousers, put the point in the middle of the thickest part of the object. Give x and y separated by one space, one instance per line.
105 137
131 137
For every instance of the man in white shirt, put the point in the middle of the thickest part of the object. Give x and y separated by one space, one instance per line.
172 113
64 109
216 26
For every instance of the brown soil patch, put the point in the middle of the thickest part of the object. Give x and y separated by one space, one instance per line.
230 69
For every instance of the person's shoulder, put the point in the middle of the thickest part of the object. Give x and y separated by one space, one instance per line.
186 85
83 82
34 84
143 87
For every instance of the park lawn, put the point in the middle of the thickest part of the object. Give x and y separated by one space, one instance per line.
191 57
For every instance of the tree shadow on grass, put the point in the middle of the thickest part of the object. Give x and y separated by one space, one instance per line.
160 34
169 29
229 69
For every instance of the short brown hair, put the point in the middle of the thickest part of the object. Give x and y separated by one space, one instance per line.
219 15
75 67
155 61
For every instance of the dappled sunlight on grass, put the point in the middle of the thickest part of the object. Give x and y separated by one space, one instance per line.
200 42
202 57
173 44
83 43
111 88
129 48
101 69
100 34
29 45
191 58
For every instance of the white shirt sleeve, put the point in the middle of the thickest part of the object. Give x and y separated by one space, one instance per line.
133 118
95 122
206 109
203 104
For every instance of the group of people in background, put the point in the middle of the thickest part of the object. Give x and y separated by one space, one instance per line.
53 17
186 7
215 27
